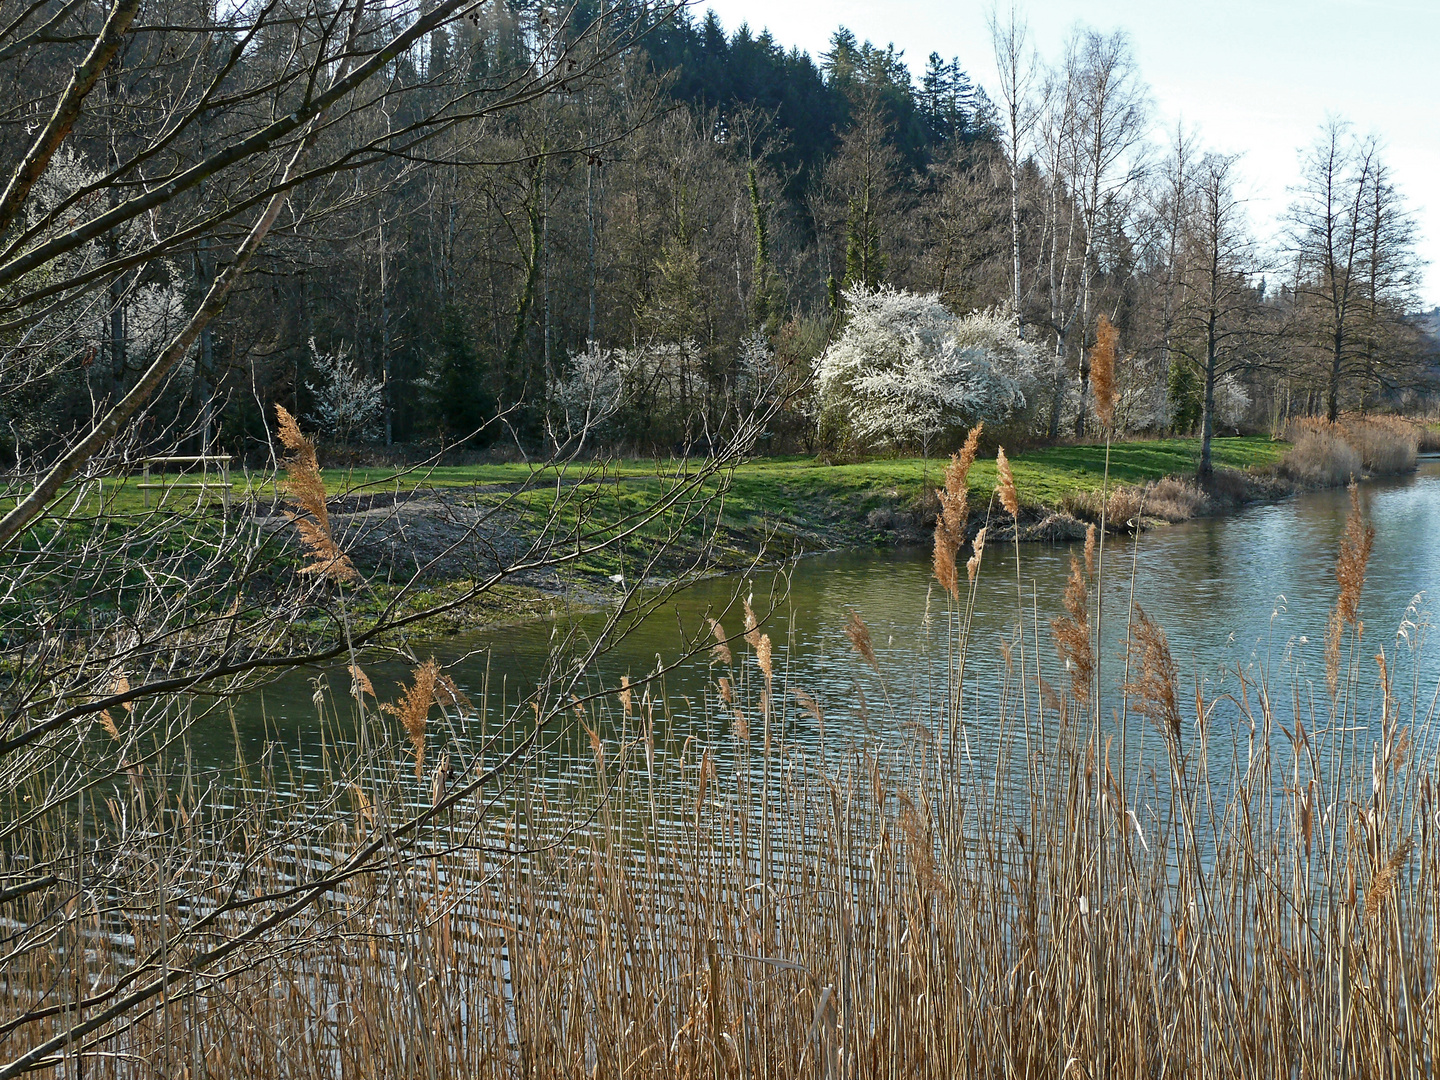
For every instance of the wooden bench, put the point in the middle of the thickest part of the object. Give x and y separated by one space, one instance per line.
221 461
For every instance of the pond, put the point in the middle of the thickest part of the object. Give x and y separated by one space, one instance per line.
1249 591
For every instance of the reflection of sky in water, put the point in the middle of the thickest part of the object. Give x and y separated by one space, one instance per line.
1213 585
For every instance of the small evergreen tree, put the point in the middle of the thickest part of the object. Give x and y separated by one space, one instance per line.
458 395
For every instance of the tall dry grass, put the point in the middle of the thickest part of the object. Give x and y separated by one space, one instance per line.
1332 454
1260 897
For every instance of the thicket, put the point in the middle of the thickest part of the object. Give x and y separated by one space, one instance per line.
698 192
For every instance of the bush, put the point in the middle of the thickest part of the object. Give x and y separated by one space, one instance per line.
1319 454
1330 454
907 372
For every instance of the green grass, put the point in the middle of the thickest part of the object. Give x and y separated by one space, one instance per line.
1043 477
795 489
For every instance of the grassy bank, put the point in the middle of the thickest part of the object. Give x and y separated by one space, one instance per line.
583 527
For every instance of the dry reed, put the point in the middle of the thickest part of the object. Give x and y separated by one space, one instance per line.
936 902
304 487
1102 369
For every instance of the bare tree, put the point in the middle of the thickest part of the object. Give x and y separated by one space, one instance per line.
1019 68
1327 240
1217 295
1112 118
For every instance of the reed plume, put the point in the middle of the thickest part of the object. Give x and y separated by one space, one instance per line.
809 706
304 487
1350 566
752 627
762 657
943 560
859 635
1102 370
360 683
954 513
972 565
413 708
1154 679
1006 486
1072 634
721 649
448 694
120 684
1386 879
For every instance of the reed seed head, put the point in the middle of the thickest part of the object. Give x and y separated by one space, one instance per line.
304 487
413 708
721 649
1154 680
859 635
1102 370
1009 498
752 627
972 565
1385 880
1072 634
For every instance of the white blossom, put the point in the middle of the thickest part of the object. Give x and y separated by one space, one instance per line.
1231 400
348 404
589 394
906 369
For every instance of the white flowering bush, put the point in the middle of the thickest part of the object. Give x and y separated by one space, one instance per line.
906 370
1232 401
348 403
588 395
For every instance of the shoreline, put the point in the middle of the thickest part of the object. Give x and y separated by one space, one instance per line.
892 525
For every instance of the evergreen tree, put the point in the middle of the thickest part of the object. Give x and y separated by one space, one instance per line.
458 395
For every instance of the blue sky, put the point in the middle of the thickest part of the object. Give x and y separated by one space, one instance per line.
1256 78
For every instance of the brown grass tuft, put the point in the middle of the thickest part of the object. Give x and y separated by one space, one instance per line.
1090 545
304 487
1102 369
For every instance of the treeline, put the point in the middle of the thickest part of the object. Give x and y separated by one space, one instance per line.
686 209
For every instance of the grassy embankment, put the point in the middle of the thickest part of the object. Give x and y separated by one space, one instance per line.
767 507
776 506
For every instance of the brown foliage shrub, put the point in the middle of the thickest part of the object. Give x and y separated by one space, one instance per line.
1174 499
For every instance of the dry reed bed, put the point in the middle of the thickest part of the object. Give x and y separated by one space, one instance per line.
1239 885
1331 454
